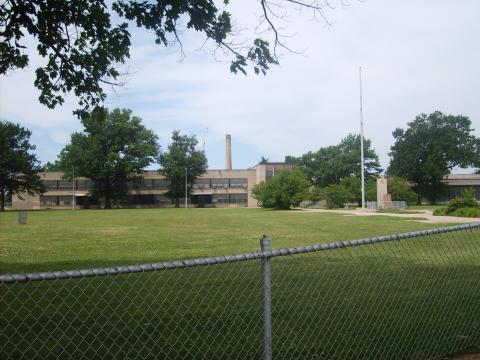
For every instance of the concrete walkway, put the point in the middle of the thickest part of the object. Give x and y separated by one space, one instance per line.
424 216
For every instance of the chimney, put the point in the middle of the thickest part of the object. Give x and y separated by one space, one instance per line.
228 154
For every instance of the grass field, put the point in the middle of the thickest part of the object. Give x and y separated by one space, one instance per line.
55 240
411 299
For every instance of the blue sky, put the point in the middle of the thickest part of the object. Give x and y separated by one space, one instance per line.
416 57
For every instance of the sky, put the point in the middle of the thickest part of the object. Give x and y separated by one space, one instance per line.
416 57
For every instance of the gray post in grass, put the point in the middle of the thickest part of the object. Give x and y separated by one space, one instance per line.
266 247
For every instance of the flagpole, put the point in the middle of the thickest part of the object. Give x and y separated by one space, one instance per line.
361 139
73 188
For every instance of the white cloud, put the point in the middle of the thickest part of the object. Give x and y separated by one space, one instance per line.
417 57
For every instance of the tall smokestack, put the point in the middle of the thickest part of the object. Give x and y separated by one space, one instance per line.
228 154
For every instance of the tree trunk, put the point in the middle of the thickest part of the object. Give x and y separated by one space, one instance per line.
2 202
419 197
108 201
177 202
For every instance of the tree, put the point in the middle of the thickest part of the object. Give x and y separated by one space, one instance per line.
337 195
430 147
52 166
18 165
263 160
286 189
329 165
400 190
353 184
84 41
182 162
112 150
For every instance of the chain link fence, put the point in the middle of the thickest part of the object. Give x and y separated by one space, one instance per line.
408 296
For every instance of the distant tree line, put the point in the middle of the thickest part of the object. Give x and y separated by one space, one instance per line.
421 157
115 147
112 151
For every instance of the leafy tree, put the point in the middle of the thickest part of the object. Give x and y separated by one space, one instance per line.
52 166
84 41
182 160
18 166
430 147
263 160
112 150
329 165
286 189
354 186
337 195
401 190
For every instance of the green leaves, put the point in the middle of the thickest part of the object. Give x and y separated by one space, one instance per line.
430 147
329 165
83 47
18 165
182 160
113 149
286 189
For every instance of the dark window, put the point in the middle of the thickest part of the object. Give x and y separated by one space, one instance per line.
162 184
241 183
162 200
220 183
147 184
201 183
221 199
48 200
50 184
65 200
457 190
238 198
64 185
84 184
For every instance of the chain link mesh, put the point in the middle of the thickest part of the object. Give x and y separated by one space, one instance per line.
410 297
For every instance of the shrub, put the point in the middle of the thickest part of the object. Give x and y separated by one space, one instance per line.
467 212
466 200
441 211
286 189
337 195
464 206
401 191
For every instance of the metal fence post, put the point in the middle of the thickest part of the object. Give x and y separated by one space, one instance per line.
266 246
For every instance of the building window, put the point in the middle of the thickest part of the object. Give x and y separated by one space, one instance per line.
239 199
241 183
268 174
457 190
65 185
147 184
221 199
201 183
48 200
220 183
65 200
50 184
161 184
162 200
84 184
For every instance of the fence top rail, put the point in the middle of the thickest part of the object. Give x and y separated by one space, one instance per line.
214 260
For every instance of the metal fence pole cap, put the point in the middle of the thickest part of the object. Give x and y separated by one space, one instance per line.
265 244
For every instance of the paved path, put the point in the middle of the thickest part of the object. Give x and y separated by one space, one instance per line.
426 216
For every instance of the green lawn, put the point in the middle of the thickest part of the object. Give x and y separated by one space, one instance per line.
410 299
55 240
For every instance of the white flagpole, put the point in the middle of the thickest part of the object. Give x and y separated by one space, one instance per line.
361 140
73 189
